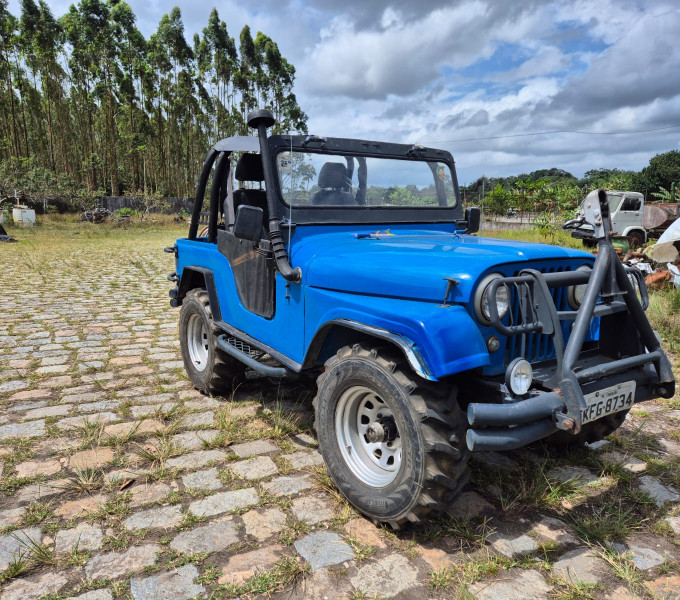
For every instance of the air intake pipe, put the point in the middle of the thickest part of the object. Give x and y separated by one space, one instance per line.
261 119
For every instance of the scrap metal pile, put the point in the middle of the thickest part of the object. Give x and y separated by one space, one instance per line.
661 262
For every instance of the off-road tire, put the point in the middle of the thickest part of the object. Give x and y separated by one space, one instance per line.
637 239
222 373
431 427
590 432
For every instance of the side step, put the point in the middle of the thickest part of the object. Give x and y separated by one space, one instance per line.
249 361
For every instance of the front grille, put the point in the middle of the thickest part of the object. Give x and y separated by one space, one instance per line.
534 347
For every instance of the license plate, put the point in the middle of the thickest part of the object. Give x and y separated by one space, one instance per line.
608 401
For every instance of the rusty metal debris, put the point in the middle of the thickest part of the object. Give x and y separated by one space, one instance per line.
98 215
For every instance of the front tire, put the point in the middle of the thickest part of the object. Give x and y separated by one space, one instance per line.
394 444
211 370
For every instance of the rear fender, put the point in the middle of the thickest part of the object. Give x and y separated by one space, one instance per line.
437 341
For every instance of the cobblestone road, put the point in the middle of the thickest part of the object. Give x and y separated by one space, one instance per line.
118 480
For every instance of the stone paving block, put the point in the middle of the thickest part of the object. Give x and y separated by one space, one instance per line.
287 486
195 460
665 588
13 386
313 509
84 537
12 516
241 567
513 585
254 468
214 537
135 428
629 463
90 459
657 491
116 564
29 430
40 491
224 502
58 410
194 440
580 565
204 419
674 524
71 423
323 549
80 507
99 406
365 533
386 577
155 518
203 480
513 546
34 468
177 584
145 493
34 587
645 558
574 475
469 505
254 447
304 458
16 544
553 530
264 524
95 595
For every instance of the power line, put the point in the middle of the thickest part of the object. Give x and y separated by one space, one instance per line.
516 135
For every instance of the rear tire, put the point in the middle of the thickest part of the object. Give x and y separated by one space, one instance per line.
211 370
419 466
637 239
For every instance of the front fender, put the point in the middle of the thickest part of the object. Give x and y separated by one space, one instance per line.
446 338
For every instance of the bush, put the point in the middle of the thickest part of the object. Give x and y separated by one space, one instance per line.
126 212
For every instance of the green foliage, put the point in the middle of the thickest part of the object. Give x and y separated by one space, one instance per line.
662 172
88 103
670 195
126 212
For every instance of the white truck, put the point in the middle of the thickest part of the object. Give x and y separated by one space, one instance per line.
633 218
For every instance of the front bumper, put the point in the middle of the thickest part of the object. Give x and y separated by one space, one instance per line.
628 350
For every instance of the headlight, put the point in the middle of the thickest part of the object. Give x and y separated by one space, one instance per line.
482 299
519 376
575 293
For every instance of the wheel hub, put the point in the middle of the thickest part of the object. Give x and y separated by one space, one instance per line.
368 437
382 430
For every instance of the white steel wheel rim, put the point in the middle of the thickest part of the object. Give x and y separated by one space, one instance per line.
197 342
375 464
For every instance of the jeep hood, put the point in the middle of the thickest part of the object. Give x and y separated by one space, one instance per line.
413 265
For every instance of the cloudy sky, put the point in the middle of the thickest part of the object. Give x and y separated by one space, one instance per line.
475 76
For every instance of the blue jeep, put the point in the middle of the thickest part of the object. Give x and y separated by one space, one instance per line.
354 261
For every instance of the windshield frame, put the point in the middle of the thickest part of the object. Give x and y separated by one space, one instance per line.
341 147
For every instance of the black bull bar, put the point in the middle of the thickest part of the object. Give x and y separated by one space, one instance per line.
628 347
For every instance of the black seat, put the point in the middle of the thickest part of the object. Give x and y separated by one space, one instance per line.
333 181
249 168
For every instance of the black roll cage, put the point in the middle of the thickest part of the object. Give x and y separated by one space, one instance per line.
218 157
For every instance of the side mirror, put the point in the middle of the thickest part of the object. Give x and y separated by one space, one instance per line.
248 223
473 217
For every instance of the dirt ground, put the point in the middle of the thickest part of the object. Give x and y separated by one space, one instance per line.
118 480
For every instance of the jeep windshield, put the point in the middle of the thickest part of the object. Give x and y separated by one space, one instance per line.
311 179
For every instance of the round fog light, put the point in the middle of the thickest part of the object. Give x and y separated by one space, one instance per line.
519 376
